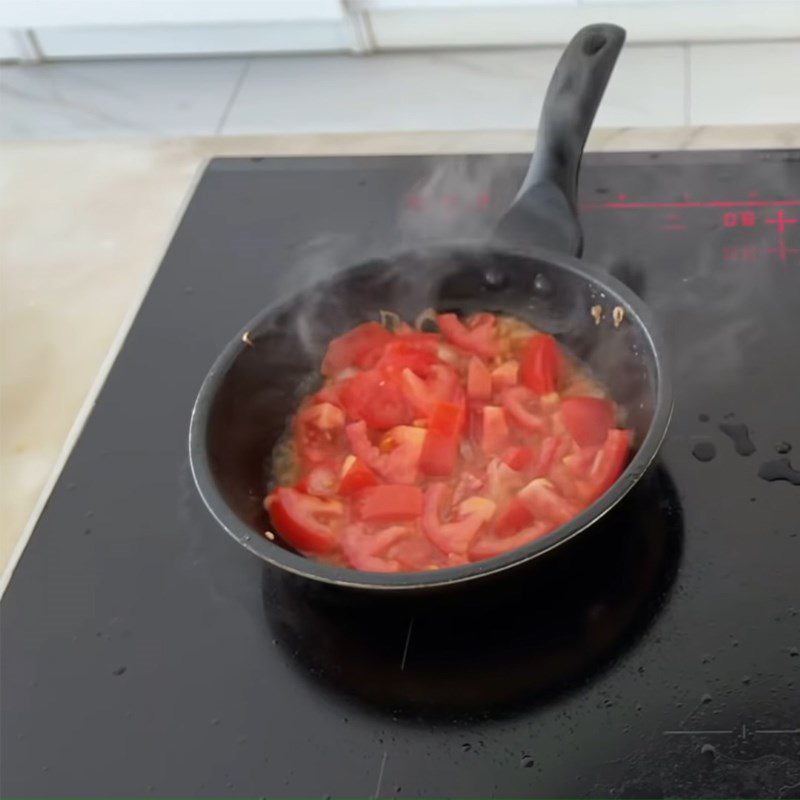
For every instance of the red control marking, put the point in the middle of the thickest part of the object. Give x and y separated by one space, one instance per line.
780 221
699 204
782 250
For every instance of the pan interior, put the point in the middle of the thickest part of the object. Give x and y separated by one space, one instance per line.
259 386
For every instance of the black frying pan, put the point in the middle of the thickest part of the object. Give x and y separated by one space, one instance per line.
529 270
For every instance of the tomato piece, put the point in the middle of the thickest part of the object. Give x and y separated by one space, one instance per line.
402 448
542 364
360 347
307 523
608 464
553 450
423 394
518 458
319 432
366 550
450 537
513 518
415 552
489 546
495 432
440 451
479 380
506 375
588 419
388 503
523 407
356 475
479 339
407 352
321 481
581 462
377 398
544 502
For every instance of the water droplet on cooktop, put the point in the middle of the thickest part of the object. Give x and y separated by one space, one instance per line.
794 652
706 698
708 750
120 670
780 469
215 721
703 417
783 448
704 451
706 658
740 436
526 761
466 747
746 680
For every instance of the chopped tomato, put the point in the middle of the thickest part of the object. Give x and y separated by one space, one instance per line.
588 419
377 398
440 451
366 550
479 380
490 546
307 523
506 375
388 503
514 518
518 458
523 408
423 394
481 339
356 475
397 460
449 537
608 464
494 435
318 433
360 347
544 502
541 364
430 450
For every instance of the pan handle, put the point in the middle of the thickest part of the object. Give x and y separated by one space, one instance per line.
544 212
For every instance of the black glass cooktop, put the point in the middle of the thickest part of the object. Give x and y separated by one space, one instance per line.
144 652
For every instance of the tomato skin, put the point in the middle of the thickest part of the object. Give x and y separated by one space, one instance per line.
588 419
608 464
409 352
481 340
416 552
357 475
519 401
360 347
513 518
365 550
518 458
377 398
490 546
544 502
450 537
305 522
479 380
388 503
440 451
495 431
542 364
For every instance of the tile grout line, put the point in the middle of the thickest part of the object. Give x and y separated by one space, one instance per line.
687 84
232 99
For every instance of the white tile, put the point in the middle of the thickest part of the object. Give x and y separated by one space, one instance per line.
747 83
467 90
79 100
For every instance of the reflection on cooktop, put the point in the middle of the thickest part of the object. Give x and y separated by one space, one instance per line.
520 642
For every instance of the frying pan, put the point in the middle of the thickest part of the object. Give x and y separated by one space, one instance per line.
530 269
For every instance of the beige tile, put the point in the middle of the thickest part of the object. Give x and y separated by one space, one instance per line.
745 84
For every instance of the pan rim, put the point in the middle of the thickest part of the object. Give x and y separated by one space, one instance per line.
402 582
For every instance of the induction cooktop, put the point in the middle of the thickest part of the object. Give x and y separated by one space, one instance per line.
145 653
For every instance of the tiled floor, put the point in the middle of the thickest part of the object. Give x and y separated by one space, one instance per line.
658 85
